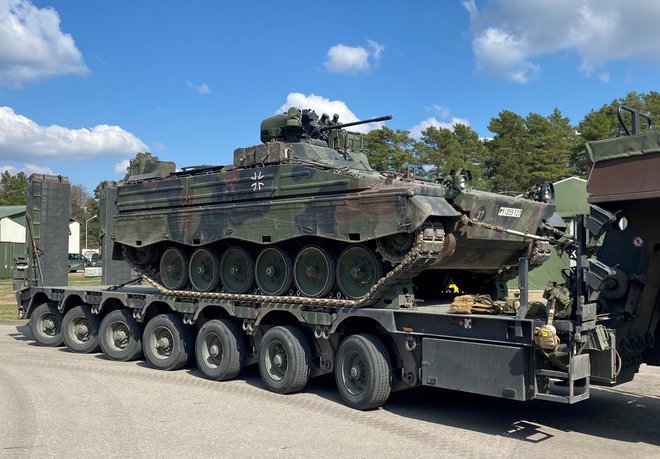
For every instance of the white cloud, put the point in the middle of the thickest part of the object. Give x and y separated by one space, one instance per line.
323 105
503 55
202 89
20 137
416 130
33 47
122 166
509 34
28 169
157 146
353 59
443 112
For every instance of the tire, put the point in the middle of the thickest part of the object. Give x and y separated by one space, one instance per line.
120 336
363 372
46 325
166 342
80 330
220 350
284 360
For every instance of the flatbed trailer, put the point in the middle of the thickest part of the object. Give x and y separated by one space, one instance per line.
372 351
598 326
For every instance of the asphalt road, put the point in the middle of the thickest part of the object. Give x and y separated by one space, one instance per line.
54 403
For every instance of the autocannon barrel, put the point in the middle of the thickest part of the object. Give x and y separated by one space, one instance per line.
354 123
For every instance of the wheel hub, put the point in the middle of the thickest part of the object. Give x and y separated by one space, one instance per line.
49 325
163 343
214 351
82 329
358 273
270 271
120 335
310 271
233 270
278 360
355 372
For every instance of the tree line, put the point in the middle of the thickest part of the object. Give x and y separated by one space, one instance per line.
522 152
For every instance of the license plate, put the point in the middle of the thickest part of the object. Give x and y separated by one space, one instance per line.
509 212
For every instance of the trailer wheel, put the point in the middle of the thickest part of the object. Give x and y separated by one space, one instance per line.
80 330
284 360
167 342
363 372
46 325
120 336
220 350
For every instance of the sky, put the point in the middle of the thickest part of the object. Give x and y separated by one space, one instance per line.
86 85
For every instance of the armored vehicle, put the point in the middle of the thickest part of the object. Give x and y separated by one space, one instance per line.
304 215
321 234
623 181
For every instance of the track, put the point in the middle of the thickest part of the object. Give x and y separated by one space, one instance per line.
428 248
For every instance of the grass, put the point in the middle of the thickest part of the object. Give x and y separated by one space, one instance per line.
8 306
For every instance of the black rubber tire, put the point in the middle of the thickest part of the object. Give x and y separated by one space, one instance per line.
72 340
374 362
298 357
132 350
181 342
232 345
42 337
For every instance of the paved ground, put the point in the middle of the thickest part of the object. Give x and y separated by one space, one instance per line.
54 403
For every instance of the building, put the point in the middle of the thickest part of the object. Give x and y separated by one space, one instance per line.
13 223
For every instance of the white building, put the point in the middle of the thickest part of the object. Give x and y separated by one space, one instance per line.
12 227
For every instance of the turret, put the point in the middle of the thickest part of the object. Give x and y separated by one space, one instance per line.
297 125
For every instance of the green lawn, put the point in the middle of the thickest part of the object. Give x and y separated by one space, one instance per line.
8 305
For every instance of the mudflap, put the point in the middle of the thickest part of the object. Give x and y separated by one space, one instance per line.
487 369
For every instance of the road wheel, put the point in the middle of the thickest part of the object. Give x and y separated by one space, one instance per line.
204 271
363 372
220 350
284 359
174 268
141 256
237 270
274 271
120 336
166 342
80 329
358 269
314 271
46 325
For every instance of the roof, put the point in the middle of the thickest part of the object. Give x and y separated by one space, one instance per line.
623 147
12 211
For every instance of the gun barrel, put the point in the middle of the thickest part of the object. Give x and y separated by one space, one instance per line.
355 123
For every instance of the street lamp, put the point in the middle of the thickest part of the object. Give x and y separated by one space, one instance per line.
87 221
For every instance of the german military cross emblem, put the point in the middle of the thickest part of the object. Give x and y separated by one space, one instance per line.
256 181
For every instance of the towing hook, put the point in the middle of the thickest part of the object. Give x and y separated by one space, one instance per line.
411 343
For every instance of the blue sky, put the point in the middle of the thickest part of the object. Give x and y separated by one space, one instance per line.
85 85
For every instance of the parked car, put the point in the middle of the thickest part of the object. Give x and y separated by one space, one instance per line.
97 259
77 262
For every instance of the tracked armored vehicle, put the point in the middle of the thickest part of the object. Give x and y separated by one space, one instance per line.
304 216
